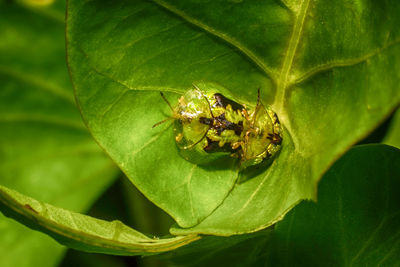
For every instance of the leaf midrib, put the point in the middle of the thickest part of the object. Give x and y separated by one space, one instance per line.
289 56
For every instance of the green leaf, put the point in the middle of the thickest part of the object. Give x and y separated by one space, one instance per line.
45 150
238 250
84 232
393 133
356 219
329 73
354 223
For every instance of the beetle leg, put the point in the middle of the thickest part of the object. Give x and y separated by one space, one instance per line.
236 145
245 114
201 139
179 137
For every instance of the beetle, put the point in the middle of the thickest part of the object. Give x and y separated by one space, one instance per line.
207 122
263 135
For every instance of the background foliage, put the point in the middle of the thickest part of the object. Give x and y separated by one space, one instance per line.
327 94
46 151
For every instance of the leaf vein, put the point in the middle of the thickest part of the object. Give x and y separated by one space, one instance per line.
341 63
393 249
207 60
225 37
136 88
142 38
155 55
188 182
259 186
289 55
151 140
372 237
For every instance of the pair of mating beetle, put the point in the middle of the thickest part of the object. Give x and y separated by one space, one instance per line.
206 123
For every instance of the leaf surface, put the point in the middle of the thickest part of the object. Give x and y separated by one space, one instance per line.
237 250
356 219
329 73
354 223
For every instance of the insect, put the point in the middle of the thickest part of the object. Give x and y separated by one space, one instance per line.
208 124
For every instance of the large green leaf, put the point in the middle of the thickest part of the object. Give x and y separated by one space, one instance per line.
329 71
45 150
354 223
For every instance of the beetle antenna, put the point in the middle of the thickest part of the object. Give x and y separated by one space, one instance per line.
257 105
169 105
208 102
201 139
209 106
258 98
165 99
161 122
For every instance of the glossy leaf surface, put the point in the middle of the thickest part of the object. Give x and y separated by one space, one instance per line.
330 72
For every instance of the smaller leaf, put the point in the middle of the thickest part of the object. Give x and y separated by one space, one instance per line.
238 250
356 221
83 232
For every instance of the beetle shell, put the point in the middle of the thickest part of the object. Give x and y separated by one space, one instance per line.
208 126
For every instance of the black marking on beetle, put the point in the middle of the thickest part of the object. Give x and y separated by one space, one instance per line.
239 128
220 124
206 121
275 138
222 101
276 119
224 124
213 146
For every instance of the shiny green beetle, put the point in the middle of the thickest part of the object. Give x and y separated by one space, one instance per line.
208 125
